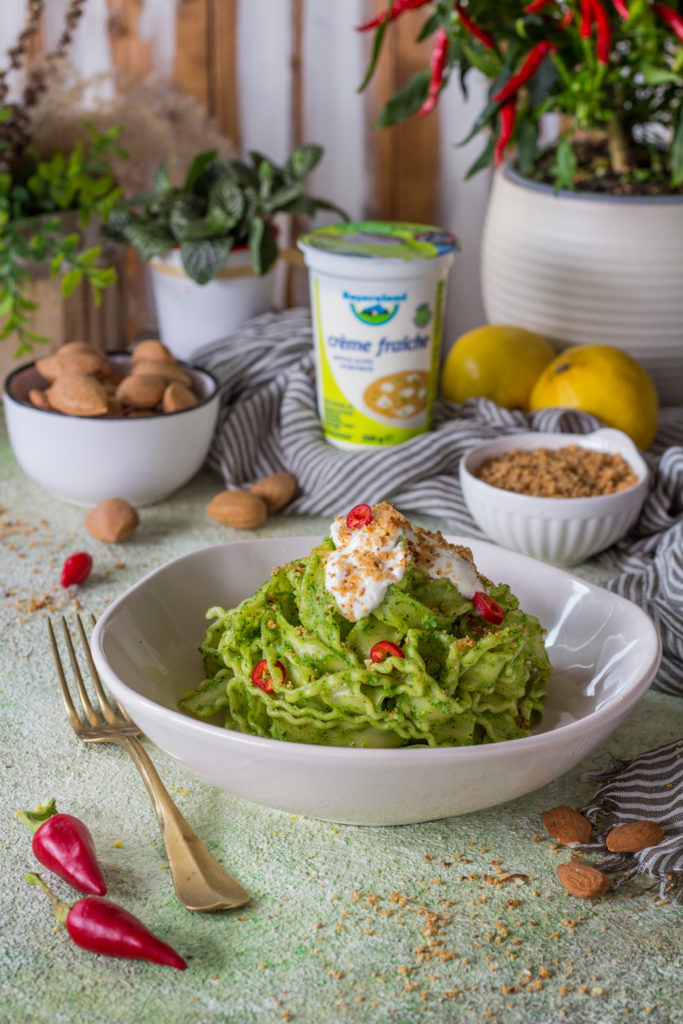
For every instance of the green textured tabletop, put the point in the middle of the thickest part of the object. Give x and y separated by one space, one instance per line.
456 920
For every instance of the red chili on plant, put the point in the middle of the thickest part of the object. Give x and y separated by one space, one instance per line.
528 69
358 517
488 608
101 926
397 8
385 649
262 678
507 114
437 65
76 569
64 845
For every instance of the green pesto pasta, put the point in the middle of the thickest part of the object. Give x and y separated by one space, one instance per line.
457 680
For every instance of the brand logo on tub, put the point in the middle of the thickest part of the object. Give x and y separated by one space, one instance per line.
374 310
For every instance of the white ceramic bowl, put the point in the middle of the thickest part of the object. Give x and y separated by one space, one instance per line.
605 652
564 531
82 460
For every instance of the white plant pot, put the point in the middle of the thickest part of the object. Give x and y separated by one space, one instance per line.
191 315
586 269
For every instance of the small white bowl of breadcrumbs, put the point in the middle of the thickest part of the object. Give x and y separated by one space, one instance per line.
560 498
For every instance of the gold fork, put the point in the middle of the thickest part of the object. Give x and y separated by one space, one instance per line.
200 882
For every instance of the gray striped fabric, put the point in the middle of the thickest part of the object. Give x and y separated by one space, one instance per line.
268 422
650 787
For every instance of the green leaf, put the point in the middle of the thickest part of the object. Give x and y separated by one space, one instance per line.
71 281
374 55
527 143
226 193
303 161
564 167
406 102
677 152
484 159
149 239
161 184
483 60
198 167
202 260
262 245
185 211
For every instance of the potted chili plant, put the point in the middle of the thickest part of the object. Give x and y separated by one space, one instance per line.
212 243
583 237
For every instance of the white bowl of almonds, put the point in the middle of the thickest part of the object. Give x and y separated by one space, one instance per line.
87 425
560 498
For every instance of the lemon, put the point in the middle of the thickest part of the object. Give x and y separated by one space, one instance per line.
497 361
606 382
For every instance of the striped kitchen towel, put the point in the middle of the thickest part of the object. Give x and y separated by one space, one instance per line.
649 788
268 422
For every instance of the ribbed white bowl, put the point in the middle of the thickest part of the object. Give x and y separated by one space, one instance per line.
589 269
562 531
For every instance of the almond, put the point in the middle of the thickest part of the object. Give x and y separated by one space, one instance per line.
72 361
77 394
277 490
567 825
140 392
582 880
158 368
634 835
178 397
48 367
239 509
36 396
151 349
113 520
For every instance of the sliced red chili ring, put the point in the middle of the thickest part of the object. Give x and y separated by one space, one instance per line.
262 678
384 649
358 517
488 608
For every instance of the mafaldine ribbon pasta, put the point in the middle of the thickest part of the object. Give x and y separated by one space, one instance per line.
385 635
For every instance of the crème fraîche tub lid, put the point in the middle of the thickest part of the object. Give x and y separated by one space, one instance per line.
381 240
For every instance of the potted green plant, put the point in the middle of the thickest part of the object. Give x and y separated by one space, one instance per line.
51 205
45 209
211 243
583 237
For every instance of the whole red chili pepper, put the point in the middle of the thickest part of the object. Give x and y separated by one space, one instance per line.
586 23
488 608
474 30
506 115
622 9
528 69
76 569
397 8
437 65
567 19
604 42
64 845
101 926
672 18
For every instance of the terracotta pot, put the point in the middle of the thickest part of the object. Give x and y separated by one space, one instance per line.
588 269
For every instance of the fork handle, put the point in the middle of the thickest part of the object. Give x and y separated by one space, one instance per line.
200 882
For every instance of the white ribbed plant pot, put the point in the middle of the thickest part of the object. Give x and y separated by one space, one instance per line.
191 315
586 269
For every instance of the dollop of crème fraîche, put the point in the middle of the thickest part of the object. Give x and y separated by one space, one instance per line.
368 560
